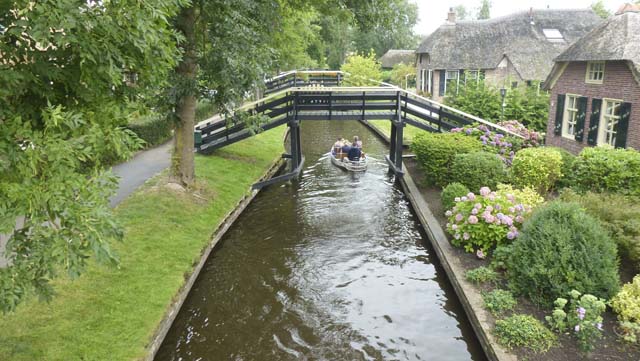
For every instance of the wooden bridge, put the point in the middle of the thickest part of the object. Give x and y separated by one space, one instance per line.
308 96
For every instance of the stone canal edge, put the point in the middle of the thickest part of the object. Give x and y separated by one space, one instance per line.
172 312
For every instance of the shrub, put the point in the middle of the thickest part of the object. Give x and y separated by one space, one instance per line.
527 195
562 248
567 165
583 316
531 137
498 301
204 109
451 192
500 257
626 304
486 220
601 169
478 169
436 151
153 129
538 168
524 331
619 215
481 275
492 142
363 70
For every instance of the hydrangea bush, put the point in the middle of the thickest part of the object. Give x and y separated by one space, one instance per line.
531 137
488 219
583 317
491 141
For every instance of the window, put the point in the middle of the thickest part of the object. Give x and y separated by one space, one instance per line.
471 75
451 80
553 35
609 122
595 72
570 116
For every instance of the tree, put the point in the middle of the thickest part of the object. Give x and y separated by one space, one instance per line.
485 10
461 12
364 70
401 73
64 66
600 10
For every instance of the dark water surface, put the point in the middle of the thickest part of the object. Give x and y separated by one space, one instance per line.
333 267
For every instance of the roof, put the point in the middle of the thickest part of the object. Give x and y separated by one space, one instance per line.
482 44
397 56
617 39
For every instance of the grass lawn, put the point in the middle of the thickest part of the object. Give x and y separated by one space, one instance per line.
111 314
385 126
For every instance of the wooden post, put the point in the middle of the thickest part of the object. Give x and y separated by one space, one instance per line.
395 151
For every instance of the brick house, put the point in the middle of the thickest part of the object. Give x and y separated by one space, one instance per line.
595 85
507 51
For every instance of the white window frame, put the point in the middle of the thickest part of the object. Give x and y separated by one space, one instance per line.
608 122
570 115
430 81
423 79
591 75
447 78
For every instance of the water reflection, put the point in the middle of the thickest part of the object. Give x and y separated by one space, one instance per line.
332 267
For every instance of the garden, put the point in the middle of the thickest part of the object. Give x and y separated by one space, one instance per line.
550 239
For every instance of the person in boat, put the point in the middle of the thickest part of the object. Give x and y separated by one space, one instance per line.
337 146
357 142
346 148
354 154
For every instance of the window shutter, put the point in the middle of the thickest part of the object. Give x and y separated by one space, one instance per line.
623 125
481 74
557 130
580 117
442 80
594 122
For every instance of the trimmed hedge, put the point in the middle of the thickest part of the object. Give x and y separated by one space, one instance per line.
562 248
154 129
567 165
619 215
451 192
538 168
478 169
436 151
601 169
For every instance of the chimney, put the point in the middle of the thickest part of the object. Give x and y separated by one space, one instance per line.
451 16
628 8
531 17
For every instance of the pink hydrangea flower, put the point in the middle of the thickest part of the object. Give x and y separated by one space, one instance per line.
473 219
454 226
474 211
489 209
519 219
463 198
471 196
477 206
459 217
466 236
484 191
512 210
480 254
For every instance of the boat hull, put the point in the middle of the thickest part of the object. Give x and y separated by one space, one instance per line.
351 166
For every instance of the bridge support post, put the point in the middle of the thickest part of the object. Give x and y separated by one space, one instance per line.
395 149
296 149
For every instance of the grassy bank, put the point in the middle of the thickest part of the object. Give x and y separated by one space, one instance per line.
385 127
111 314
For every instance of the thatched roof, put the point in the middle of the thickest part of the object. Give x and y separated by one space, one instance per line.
482 44
617 39
397 56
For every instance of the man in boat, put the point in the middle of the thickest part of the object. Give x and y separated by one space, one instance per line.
346 148
354 153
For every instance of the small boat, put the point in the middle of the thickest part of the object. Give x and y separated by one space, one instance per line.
349 165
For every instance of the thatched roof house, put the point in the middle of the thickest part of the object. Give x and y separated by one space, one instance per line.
521 46
595 87
396 56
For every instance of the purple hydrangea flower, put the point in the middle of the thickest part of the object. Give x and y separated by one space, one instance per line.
459 217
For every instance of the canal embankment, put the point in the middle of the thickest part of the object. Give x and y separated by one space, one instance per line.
116 313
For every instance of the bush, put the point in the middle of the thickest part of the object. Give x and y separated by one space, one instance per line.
531 137
205 109
481 275
567 165
538 168
435 153
478 169
486 220
451 192
154 129
499 301
562 248
500 257
583 317
627 302
524 331
491 141
619 215
364 70
601 169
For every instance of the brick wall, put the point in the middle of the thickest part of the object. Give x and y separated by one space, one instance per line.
618 83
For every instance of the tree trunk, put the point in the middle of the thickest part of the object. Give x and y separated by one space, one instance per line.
182 160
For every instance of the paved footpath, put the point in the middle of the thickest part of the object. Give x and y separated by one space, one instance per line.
132 174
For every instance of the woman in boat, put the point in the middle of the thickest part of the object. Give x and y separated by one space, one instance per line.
357 142
337 146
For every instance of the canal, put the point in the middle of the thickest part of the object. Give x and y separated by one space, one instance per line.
332 267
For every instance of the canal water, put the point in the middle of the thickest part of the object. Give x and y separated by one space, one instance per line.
332 267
